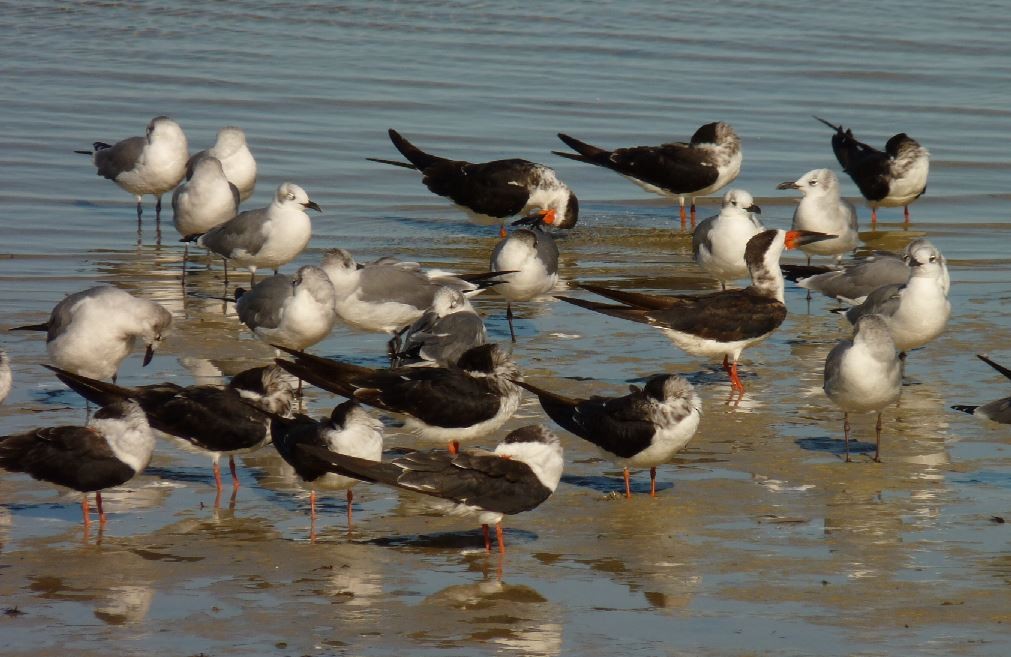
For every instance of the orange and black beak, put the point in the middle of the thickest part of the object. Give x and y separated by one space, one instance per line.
547 217
796 238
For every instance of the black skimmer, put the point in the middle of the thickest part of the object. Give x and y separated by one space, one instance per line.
467 401
706 164
90 332
890 178
528 258
443 333
237 161
349 430
718 242
917 311
215 421
518 476
644 428
114 447
153 164
722 323
491 192
864 375
293 311
267 237
995 411
853 282
822 210
6 378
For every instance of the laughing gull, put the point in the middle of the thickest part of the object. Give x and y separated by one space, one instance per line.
212 420
995 411
645 428
6 379
467 401
706 164
92 331
444 332
111 450
822 210
522 472
350 430
855 281
491 192
916 312
530 258
236 160
718 242
864 375
268 237
291 311
890 178
206 200
721 323
152 164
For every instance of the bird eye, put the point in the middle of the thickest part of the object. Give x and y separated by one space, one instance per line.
813 182
291 197
933 258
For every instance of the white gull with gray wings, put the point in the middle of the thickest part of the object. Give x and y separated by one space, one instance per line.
449 328
718 242
237 161
822 210
291 311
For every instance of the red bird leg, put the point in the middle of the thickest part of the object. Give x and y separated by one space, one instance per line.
351 496
487 538
846 434
628 485
500 538
905 212
726 364
693 213
502 232
652 481
735 380
874 216
454 447
217 476
684 218
312 503
84 510
101 511
235 477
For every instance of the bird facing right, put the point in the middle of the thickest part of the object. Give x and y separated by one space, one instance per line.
864 375
718 242
238 163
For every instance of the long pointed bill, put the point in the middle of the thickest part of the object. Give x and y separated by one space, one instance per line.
796 238
547 217
754 208
148 355
312 205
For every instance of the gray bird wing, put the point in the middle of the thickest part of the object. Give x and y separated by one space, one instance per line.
547 251
392 283
121 156
243 232
443 340
883 301
701 235
261 306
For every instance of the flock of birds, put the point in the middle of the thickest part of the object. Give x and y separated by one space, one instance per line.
445 380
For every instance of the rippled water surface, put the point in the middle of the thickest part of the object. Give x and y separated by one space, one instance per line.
761 540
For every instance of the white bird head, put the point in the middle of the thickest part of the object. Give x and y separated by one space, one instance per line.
817 182
230 140
289 194
741 200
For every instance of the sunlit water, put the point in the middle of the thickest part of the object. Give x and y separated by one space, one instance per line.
761 541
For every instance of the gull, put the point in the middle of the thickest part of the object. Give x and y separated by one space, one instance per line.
206 200
238 163
444 332
890 178
209 419
291 311
152 164
644 428
917 311
706 164
822 210
522 472
996 411
268 237
491 192
722 323
111 450
464 402
90 332
349 430
718 242
864 375
528 260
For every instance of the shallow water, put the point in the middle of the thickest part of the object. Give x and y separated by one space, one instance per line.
761 540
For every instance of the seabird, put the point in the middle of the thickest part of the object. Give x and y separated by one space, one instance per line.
152 164
718 242
528 258
722 323
443 333
996 411
491 192
644 428
864 375
6 378
917 311
822 210
522 472
292 311
213 420
349 430
238 163
114 447
92 331
268 237
467 401
890 178
706 164
206 200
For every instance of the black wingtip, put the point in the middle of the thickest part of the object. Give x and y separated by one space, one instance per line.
971 410
1000 368
31 327
837 128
